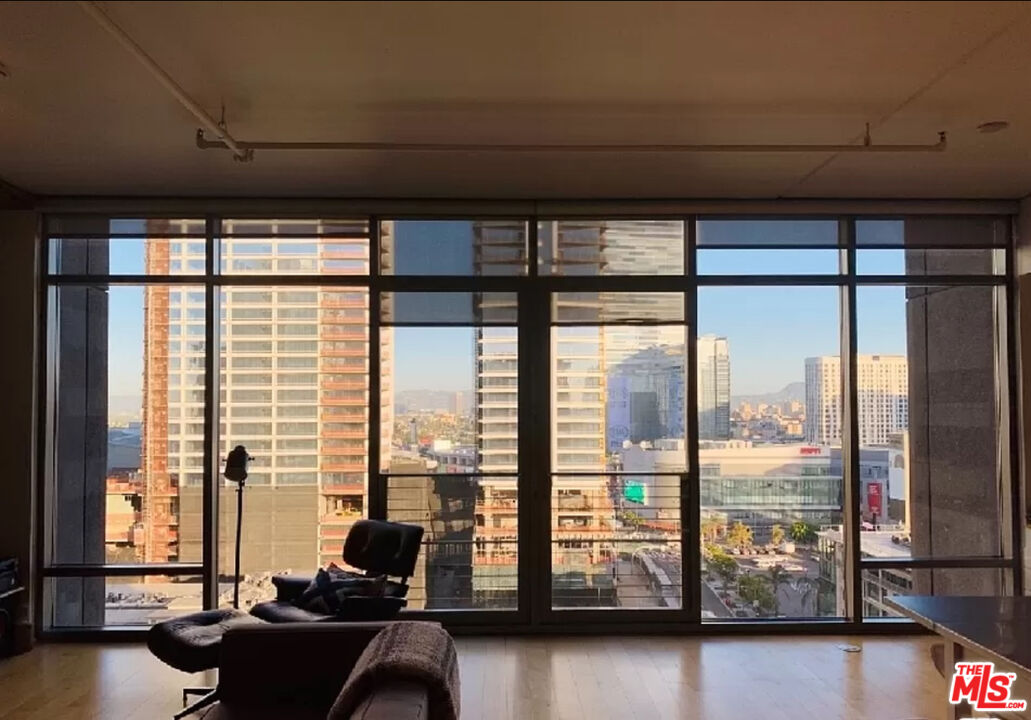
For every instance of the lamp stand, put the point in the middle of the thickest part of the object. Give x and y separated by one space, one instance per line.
239 527
236 470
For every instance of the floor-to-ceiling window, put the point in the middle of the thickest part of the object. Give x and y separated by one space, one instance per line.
932 383
684 419
772 473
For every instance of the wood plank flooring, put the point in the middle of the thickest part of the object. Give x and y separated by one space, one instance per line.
519 678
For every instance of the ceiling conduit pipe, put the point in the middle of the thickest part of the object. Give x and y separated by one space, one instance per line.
205 144
225 140
244 151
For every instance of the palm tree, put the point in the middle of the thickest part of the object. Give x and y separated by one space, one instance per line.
802 532
777 535
739 535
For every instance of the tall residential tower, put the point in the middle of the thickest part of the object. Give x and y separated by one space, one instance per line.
883 394
713 388
294 389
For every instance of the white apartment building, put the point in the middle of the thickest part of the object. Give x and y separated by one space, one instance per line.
883 395
294 362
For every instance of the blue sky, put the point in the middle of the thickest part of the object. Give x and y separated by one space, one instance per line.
771 330
125 314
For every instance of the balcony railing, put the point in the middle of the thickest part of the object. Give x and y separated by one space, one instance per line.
345 384
341 518
343 488
356 303
573 503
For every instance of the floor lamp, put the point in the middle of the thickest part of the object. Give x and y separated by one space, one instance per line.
236 470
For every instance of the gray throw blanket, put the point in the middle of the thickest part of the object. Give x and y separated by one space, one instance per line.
415 651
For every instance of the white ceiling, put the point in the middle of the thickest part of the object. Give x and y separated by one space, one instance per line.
79 115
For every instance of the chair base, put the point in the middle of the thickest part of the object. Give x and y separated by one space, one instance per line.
208 696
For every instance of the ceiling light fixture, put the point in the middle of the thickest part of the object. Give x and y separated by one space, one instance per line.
993 126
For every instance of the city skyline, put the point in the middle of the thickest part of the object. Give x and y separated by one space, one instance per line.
451 347
749 316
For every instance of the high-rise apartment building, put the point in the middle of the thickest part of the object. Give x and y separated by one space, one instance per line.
294 389
883 398
172 407
713 354
163 461
496 407
646 399
609 247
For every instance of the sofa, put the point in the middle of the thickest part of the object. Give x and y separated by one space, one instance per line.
296 671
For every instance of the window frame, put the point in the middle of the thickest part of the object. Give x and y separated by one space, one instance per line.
533 326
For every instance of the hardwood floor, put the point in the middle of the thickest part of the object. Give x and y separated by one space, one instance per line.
629 678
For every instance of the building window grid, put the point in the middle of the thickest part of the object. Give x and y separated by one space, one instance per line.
369 280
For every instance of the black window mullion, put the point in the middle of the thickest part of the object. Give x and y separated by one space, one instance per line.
1014 475
535 357
174 569
47 357
851 479
212 415
690 496
376 482
531 472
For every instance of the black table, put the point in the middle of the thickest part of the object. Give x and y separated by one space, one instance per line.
8 598
991 628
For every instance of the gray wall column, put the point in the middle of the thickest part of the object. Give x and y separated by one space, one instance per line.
1022 265
954 430
19 282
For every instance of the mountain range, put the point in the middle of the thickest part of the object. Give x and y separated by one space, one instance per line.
415 400
791 391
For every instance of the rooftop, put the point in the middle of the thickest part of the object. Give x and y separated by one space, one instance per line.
874 543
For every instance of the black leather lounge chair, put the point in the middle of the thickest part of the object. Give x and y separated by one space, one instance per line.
375 547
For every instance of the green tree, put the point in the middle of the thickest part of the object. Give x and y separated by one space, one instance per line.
739 535
722 564
631 518
755 590
712 529
777 535
803 532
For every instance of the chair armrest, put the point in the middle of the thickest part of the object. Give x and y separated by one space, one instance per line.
288 663
290 587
